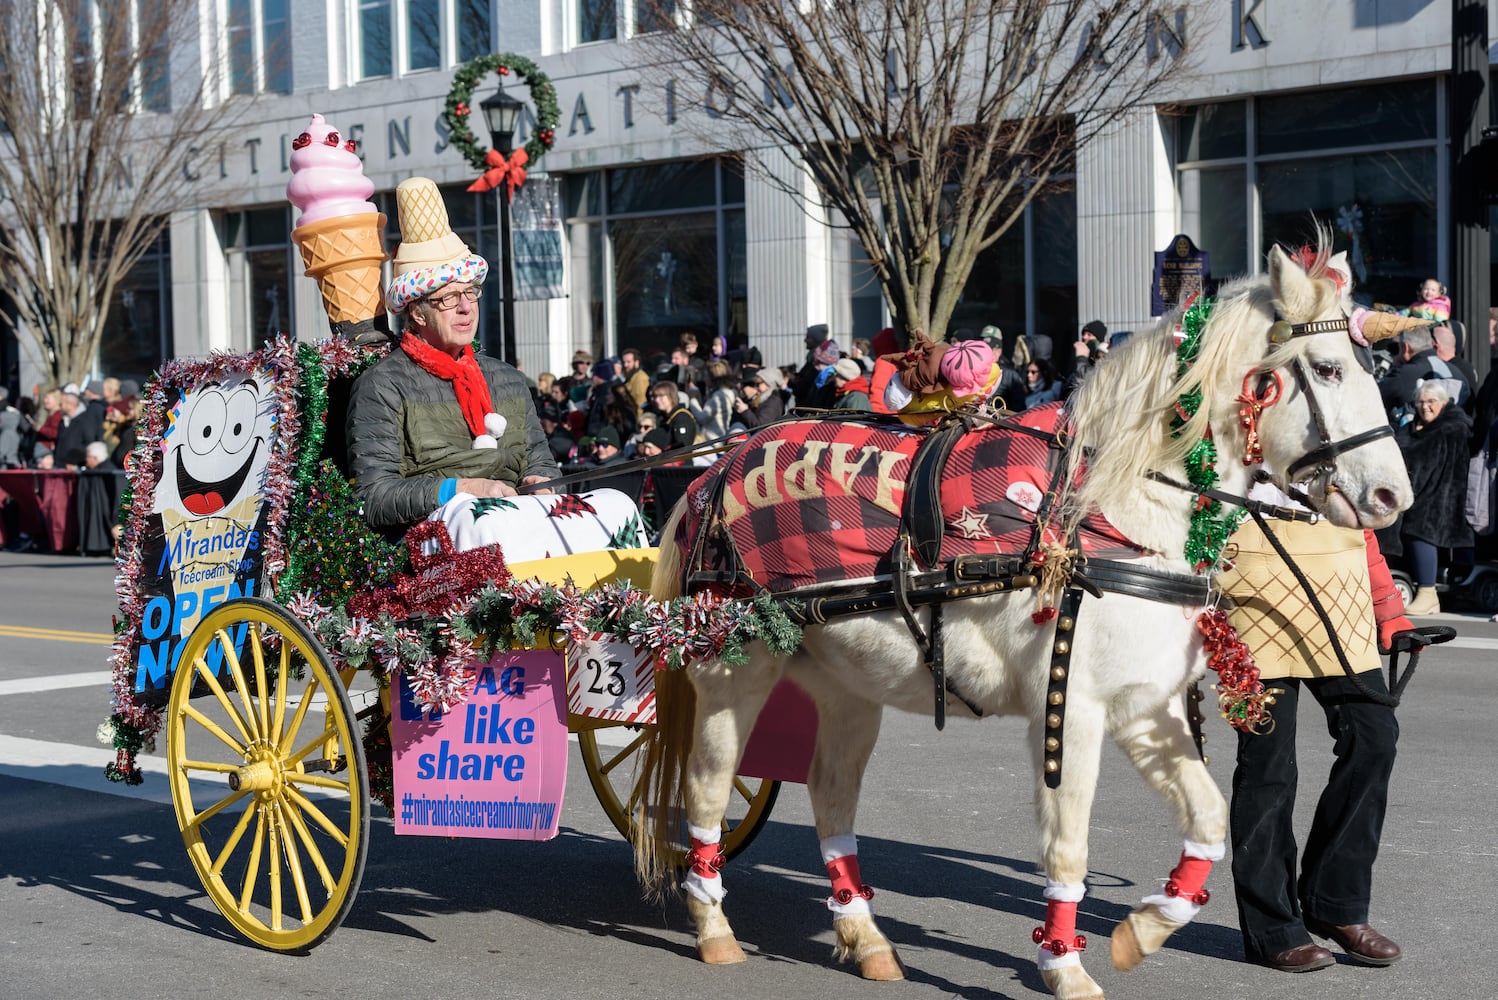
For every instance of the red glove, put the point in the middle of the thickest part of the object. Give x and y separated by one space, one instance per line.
1388 607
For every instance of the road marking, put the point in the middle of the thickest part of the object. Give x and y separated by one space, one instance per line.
1472 642
80 767
57 635
56 682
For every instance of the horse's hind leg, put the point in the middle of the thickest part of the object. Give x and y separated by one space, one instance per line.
1164 751
1065 815
847 728
728 701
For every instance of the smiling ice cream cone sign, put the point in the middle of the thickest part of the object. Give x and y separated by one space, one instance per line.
204 545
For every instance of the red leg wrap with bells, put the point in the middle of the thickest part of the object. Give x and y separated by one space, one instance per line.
1059 935
1189 879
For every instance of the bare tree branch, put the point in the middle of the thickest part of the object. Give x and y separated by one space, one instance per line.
928 125
91 160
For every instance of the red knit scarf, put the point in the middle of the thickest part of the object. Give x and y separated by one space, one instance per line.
464 374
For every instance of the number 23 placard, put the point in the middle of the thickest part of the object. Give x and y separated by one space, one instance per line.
609 680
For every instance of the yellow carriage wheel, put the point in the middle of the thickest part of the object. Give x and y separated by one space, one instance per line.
611 770
267 774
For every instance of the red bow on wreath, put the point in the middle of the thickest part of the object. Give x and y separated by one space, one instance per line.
511 173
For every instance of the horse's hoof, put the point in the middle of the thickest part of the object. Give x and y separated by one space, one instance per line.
1139 935
1071 983
720 951
881 967
1125 950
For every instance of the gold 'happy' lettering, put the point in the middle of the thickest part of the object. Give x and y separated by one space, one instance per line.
801 475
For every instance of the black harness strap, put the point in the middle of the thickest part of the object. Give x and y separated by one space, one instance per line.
1055 693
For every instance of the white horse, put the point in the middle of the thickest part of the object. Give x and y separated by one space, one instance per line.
1132 657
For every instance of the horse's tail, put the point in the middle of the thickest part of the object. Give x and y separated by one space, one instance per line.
661 778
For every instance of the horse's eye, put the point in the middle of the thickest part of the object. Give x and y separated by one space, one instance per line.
1327 371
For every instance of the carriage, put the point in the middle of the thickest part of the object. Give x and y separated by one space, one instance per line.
271 776
300 664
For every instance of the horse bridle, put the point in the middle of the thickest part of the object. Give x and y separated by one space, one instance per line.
1323 458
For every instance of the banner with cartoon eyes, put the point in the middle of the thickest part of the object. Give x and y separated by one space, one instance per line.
204 542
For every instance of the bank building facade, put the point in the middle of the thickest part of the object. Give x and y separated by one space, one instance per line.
1337 110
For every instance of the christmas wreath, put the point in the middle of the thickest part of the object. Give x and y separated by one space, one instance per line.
543 95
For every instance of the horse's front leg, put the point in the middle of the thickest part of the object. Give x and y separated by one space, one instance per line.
1065 815
729 700
847 728
1164 751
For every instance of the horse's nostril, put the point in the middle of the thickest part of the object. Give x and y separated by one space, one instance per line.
1385 498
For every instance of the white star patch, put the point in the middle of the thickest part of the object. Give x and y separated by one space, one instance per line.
971 524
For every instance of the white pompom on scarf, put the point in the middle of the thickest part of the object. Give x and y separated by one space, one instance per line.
494 425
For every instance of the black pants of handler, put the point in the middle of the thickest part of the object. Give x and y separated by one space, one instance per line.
1336 871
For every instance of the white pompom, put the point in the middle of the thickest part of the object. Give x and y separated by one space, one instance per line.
495 424
485 441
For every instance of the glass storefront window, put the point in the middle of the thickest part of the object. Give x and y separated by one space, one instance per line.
662 187
1212 132
1356 116
665 278
259 250
1217 219
1382 206
138 330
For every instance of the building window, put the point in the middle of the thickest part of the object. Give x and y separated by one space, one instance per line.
374 38
259 251
137 336
1362 160
259 34
663 251
597 21
427 34
118 53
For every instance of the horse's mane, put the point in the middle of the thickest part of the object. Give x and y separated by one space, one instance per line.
1120 416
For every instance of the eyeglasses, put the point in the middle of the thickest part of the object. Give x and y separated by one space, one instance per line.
1032 371
442 303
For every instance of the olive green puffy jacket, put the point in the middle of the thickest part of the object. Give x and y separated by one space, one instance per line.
406 435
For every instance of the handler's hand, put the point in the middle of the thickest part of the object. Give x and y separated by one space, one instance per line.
533 480
485 488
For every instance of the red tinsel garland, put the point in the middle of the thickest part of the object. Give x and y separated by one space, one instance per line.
1242 698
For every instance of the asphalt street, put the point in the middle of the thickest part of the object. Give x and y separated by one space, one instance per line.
100 901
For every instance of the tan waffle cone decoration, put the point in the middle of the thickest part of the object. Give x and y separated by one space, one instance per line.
344 254
1381 325
427 240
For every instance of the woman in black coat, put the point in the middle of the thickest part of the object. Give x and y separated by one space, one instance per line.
1435 452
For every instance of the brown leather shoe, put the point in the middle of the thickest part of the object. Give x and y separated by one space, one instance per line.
1301 958
1361 942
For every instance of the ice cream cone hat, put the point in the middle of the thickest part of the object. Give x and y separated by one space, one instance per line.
430 254
340 232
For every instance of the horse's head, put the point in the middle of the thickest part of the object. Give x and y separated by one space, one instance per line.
1327 429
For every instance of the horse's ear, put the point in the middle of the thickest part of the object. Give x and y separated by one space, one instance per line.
1294 291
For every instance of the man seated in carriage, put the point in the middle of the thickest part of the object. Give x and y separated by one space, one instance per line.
438 432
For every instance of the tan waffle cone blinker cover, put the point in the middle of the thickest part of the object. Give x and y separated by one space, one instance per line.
427 239
344 254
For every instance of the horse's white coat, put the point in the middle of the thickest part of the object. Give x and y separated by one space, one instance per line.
1131 659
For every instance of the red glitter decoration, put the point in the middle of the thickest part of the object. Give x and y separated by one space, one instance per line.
1242 698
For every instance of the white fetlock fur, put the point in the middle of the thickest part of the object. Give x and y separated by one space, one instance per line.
859 940
1071 982
716 944
1139 935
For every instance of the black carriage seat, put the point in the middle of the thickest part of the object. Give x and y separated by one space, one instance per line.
335 437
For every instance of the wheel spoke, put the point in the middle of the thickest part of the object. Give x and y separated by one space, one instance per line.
258 654
282 669
293 864
289 736
274 846
240 684
307 806
200 665
624 754
209 765
252 869
305 836
319 781
199 819
213 727
234 838
329 732
742 787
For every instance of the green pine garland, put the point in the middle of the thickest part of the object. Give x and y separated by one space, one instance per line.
1210 527
458 110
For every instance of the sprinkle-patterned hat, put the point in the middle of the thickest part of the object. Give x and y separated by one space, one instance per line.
430 255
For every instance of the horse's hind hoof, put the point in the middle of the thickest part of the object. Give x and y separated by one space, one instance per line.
1124 949
720 951
881 967
1071 983
1139 935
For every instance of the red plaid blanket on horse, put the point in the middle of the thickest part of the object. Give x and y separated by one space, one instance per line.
818 501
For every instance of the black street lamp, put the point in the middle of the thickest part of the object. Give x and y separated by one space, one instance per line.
502 114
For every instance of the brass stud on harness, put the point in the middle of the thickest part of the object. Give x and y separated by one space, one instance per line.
1052 744
1056 698
1052 766
1281 332
1062 647
1065 623
1058 673
1053 721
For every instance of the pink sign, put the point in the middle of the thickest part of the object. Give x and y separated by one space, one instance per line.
496 765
